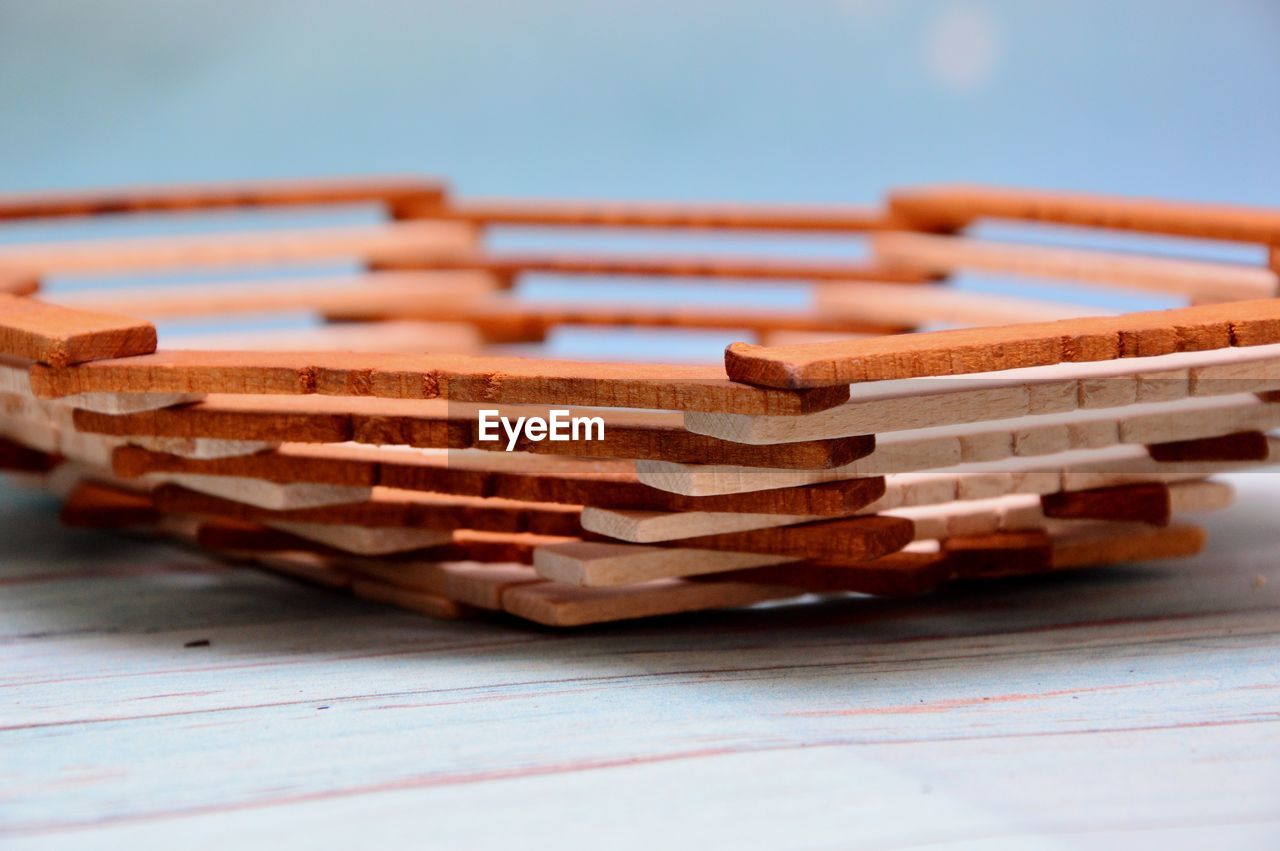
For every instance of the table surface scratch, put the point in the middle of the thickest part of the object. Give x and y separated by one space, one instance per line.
1134 706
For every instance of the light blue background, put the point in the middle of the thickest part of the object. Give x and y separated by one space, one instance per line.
700 99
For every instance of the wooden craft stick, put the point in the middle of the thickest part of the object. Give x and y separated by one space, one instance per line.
1167 425
389 509
1139 503
371 292
382 243
504 319
414 601
362 540
58 336
391 336
949 208
457 377
425 194
273 496
1159 332
556 604
676 216
1195 279
19 283
452 425
893 305
835 541
96 506
581 484
945 401
18 458
679 266
1238 446
15 380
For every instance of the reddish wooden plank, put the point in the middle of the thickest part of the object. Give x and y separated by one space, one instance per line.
60 336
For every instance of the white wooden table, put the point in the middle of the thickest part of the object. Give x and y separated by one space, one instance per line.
1137 706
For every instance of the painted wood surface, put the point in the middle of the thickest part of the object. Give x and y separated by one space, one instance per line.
154 699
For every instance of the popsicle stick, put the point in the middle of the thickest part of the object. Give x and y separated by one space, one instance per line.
95 506
835 541
1141 503
58 336
1195 279
457 377
273 496
935 402
452 425
966 351
607 486
1238 446
948 208
644 266
505 319
664 215
1170 423
425 194
18 458
18 283
202 448
384 242
897 306
414 601
555 604
372 292
362 540
388 509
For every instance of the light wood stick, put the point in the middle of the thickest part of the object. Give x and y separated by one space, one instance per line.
669 215
372 292
947 208
423 193
387 242
1195 279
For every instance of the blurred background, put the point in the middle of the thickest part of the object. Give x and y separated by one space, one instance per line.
811 101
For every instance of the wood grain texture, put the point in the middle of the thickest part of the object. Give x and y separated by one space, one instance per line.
1057 389
457 377
834 541
1188 329
59 336
584 484
949 208
1174 423
449 425
423 193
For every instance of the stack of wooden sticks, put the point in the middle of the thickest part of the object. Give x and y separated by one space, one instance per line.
849 449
